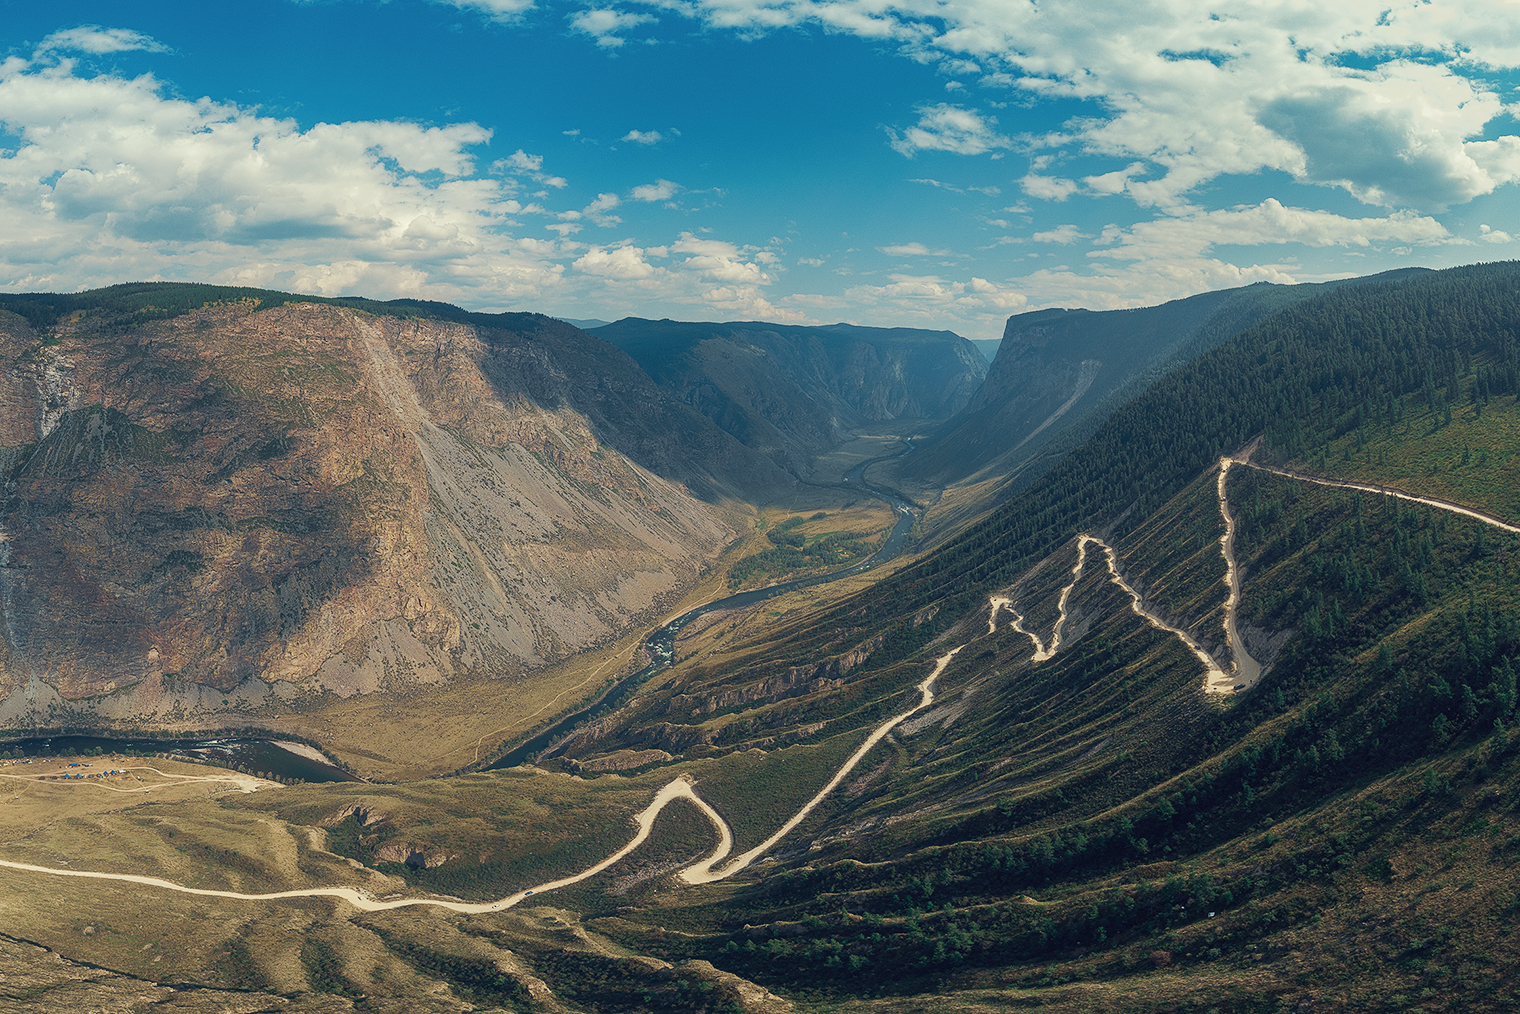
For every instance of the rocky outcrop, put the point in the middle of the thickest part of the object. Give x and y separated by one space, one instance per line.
621 760
418 857
240 501
797 681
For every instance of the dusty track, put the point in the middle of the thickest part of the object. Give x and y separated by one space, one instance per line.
704 873
1430 501
1213 673
708 870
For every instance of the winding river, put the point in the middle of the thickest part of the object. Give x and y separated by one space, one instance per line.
661 644
713 868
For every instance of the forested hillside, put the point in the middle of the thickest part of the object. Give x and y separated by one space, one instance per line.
1060 373
1033 769
1091 830
1316 370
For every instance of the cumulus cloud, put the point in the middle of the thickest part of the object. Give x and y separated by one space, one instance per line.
1046 188
599 210
923 298
1488 235
607 26
625 262
107 178
105 162
1063 235
659 190
1269 223
996 295
1387 102
643 137
718 261
96 40
714 275
944 127
1393 137
1116 182
520 163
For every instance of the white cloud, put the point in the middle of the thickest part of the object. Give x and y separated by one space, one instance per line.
598 210
1166 239
926 299
643 137
659 190
1115 182
718 261
625 262
1392 137
1386 101
520 163
1488 235
912 250
996 295
1063 235
1499 159
607 26
109 179
97 40
1048 188
944 127
990 191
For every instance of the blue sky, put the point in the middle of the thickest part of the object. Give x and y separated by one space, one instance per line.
933 163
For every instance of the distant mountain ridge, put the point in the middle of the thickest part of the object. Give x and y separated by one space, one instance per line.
1058 373
792 392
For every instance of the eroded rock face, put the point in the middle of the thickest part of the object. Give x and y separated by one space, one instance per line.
312 495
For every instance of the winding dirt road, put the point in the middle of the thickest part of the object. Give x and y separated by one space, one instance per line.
704 873
1246 670
1213 673
708 870
1429 501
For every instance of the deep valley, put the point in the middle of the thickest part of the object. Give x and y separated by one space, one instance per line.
1166 663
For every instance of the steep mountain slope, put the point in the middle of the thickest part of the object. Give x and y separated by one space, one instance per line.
1059 373
794 392
1092 815
236 504
1002 775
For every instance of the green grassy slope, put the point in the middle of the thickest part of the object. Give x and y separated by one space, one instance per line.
1093 831
1343 835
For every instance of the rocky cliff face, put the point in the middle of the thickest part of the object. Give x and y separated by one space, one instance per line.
794 392
238 502
1058 373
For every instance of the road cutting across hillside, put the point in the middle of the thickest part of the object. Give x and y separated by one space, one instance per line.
708 870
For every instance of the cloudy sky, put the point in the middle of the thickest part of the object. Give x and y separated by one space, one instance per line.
934 163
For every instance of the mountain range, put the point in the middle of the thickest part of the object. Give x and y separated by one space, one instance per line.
1193 689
